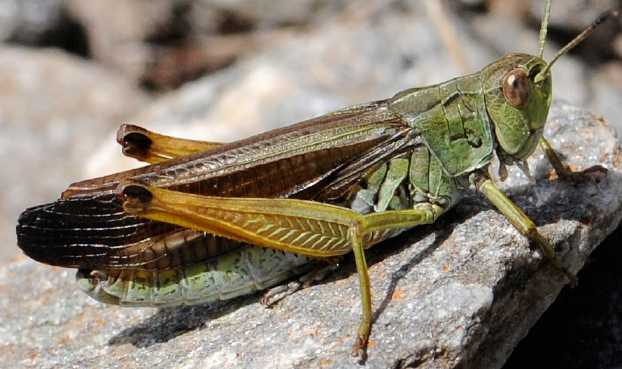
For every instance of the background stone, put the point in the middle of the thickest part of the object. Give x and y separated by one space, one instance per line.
118 39
29 20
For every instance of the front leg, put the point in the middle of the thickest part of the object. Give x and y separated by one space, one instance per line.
566 173
153 148
304 227
521 222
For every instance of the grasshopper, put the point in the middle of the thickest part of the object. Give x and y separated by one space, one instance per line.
183 229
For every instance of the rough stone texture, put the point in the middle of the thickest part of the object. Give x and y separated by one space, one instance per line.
54 110
460 293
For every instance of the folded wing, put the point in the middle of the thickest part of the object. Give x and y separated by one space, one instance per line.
87 227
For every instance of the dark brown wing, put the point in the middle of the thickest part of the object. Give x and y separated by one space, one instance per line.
88 228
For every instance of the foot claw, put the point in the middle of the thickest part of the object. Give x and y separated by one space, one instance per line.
359 349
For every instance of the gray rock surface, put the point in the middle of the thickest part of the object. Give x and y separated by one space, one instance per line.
54 109
270 12
460 293
28 20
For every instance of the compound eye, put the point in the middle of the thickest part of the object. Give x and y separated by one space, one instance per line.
516 87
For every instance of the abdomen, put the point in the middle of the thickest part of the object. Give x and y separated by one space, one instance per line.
236 273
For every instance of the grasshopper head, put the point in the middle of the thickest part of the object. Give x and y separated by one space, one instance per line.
517 91
516 102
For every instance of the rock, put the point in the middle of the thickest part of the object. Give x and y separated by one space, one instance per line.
581 329
118 38
165 43
29 20
459 293
606 86
267 13
152 42
473 3
617 46
55 109
572 15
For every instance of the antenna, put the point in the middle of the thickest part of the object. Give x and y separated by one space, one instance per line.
544 26
577 40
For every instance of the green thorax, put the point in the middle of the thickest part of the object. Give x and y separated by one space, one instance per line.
452 120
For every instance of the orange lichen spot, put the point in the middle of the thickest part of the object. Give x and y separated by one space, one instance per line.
98 322
315 332
18 257
64 340
371 344
397 295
